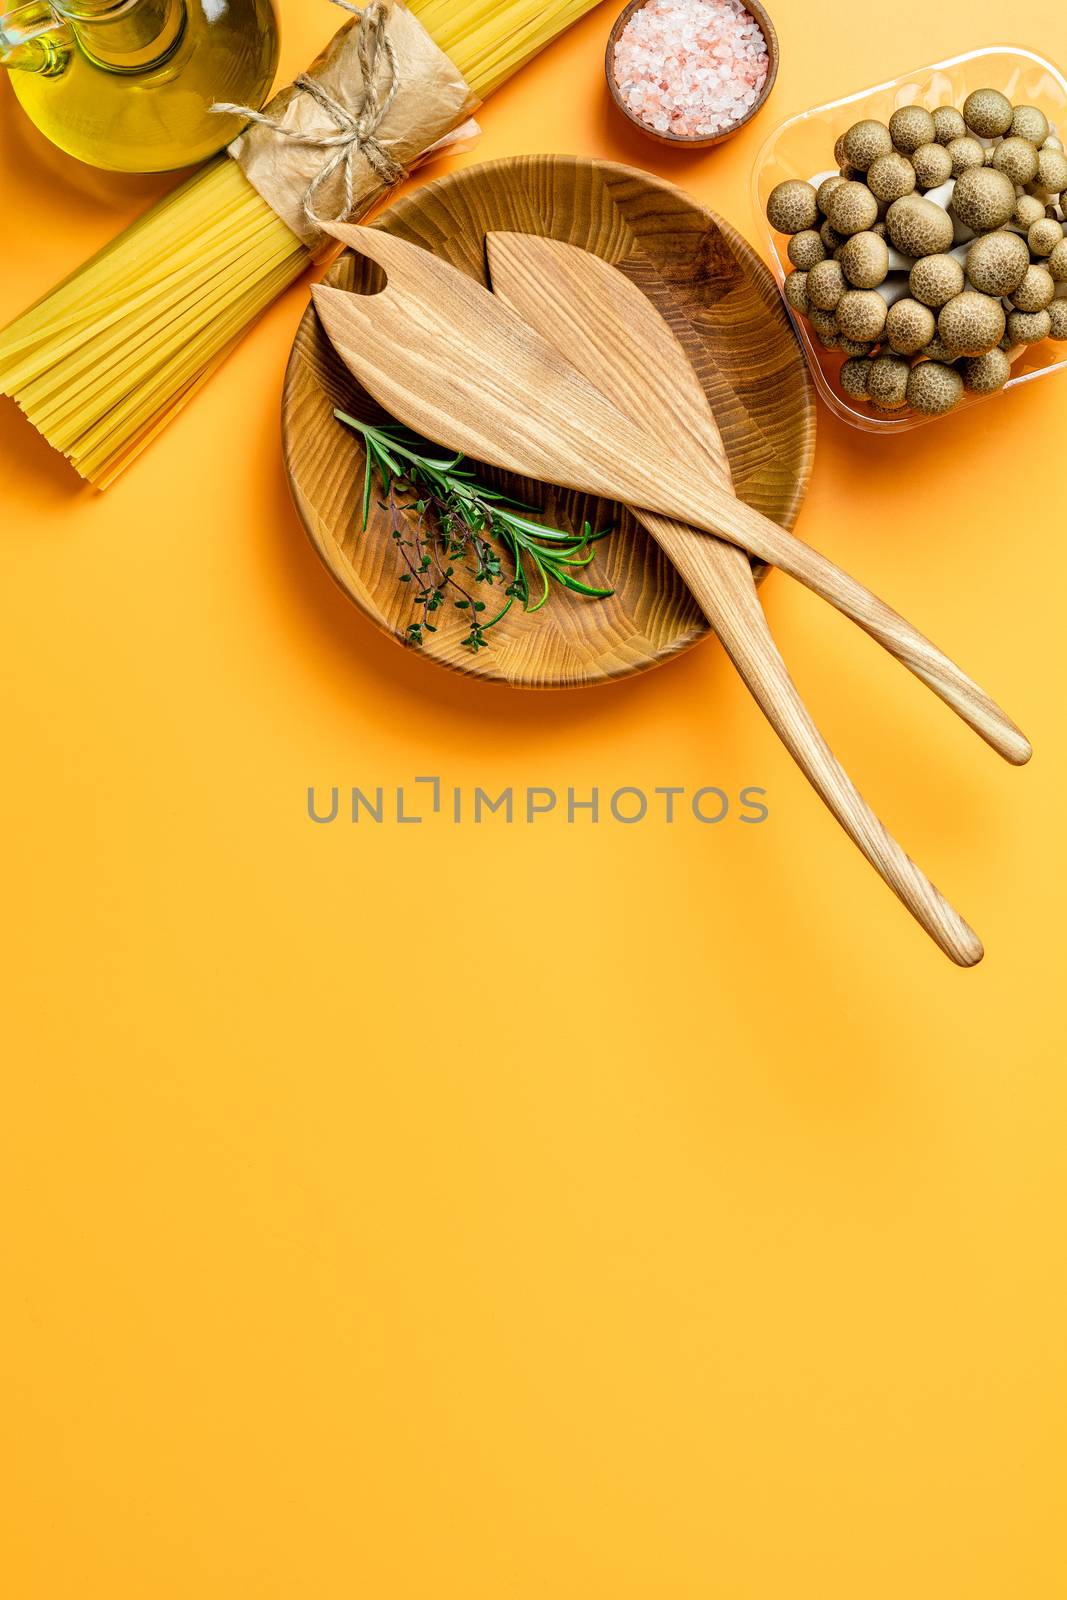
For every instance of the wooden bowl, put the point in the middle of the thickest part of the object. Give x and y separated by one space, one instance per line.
759 14
734 329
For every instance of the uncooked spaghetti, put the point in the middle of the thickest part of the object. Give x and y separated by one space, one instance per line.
102 363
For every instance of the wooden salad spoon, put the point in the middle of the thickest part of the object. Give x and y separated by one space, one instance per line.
611 331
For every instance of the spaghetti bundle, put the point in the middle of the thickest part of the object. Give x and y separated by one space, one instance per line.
102 363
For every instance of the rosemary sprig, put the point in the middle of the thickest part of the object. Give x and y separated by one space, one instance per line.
463 526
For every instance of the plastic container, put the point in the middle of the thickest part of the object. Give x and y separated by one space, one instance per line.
805 145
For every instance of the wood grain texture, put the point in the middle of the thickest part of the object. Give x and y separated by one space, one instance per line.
444 355
755 9
597 317
722 304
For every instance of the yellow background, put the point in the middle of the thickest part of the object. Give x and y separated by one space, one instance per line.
573 1212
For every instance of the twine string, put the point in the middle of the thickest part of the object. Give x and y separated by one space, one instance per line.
356 132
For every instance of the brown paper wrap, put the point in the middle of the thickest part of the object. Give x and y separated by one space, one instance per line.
425 99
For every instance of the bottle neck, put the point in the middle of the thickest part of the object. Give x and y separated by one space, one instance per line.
125 35
34 39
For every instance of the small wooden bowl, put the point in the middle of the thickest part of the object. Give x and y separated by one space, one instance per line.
758 14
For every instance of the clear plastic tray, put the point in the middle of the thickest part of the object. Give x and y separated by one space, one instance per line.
805 145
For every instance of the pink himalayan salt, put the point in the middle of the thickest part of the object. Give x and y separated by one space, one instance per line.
691 67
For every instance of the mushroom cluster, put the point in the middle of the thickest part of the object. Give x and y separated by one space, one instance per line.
935 253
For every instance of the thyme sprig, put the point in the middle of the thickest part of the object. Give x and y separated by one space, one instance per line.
460 527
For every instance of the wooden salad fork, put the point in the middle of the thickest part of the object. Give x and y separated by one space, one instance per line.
448 358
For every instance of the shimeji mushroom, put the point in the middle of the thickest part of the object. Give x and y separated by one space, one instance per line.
934 253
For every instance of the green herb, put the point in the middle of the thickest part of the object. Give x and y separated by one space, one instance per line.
461 526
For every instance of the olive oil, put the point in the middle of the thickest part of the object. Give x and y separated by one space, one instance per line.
129 84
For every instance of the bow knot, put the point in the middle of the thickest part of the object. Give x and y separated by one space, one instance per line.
355 132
